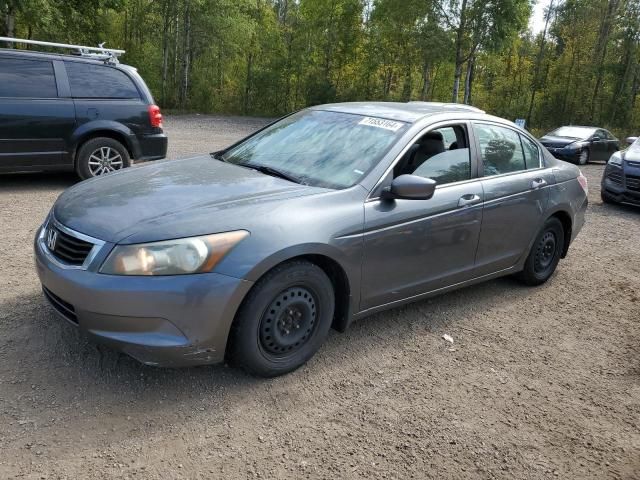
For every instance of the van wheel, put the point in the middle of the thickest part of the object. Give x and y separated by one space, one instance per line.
283 321
545 254
100 156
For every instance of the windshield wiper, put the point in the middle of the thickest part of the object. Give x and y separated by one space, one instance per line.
218 156
274 172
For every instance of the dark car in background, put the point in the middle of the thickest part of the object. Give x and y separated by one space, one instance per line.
621 178
74 112
580 145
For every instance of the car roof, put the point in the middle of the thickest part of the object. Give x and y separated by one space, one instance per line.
409 112
57 56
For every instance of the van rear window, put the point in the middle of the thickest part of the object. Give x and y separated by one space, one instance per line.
99 81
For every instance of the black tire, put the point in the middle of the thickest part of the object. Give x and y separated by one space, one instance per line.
545 254
283 321
584 157
91 154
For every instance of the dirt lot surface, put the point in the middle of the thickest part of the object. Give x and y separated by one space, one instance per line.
539 383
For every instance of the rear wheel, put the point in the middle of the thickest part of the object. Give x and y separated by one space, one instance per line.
584 157
283 321
100 156
544 255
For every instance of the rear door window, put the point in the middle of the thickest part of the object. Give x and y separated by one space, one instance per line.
531 153
99 81
27 78
500 149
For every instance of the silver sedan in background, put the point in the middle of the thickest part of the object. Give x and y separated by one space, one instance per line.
253 253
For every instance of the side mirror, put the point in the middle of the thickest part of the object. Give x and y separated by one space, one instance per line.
595 138
410 187
631 140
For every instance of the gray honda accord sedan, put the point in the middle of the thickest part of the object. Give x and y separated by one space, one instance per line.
251 254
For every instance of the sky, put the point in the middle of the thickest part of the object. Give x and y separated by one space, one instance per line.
536 23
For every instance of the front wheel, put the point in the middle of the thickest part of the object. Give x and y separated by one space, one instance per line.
283 321
100 156
545 254
584 157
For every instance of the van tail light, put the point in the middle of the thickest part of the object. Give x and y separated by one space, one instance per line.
155 116
582 180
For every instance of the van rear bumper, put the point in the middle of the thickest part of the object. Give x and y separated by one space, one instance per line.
150 147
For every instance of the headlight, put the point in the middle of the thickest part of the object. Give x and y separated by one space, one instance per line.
172 257
574 147
616 159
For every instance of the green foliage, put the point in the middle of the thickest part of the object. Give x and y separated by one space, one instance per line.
269 57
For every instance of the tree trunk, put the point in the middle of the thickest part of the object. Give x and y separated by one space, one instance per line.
459 56
186 63
539 58
426 80
601 52
468 83
9 23
166 13
635 89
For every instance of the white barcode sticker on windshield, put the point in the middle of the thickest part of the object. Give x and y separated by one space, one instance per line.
381 123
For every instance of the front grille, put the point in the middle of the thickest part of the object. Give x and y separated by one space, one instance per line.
63 308
66 248
633 164
633 183
615 177
553 146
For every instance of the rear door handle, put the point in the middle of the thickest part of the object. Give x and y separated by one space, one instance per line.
468 200
538 183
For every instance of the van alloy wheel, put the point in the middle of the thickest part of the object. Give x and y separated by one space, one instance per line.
104 160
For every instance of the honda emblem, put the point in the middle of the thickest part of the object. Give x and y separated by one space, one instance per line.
52 238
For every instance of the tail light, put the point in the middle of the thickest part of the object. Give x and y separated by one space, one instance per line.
582 180
155 116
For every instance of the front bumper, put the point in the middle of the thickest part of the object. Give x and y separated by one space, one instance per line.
621 183
172 321
571 156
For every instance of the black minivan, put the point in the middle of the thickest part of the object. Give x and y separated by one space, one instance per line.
67 112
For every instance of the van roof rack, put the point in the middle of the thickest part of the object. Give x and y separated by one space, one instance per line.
108 55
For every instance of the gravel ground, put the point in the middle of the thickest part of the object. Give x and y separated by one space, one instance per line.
540 382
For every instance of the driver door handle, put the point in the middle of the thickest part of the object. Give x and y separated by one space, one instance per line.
468 200
538 183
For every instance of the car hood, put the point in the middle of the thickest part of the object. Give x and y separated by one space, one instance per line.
172 199
558 142
632 154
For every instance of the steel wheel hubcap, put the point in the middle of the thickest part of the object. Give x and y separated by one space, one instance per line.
104 160
289 321
545 252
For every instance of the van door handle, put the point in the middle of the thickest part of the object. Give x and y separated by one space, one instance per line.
538 183
468 200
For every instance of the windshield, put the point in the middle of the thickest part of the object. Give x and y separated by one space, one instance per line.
319 148
573 132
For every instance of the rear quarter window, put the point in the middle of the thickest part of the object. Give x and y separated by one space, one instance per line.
99 81
27 78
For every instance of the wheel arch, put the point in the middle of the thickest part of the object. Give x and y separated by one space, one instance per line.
567 226
118 133
337 275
